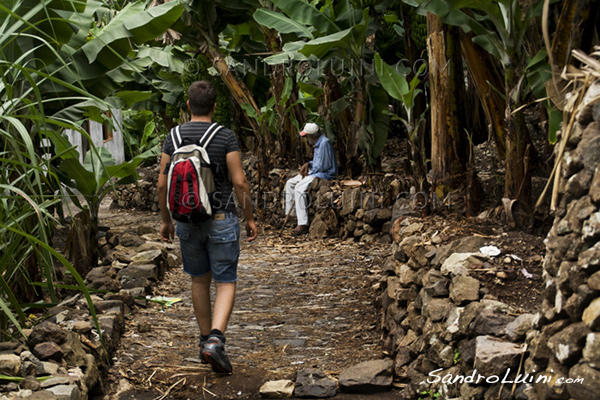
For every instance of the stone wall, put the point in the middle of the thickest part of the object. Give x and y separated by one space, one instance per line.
64 357
440 325
337 208
450 339
141 195
568 339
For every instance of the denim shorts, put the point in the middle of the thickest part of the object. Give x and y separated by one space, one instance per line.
213 246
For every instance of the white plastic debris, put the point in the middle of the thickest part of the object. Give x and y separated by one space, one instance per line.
526 274
490 251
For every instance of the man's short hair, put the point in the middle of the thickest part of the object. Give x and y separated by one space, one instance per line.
202 96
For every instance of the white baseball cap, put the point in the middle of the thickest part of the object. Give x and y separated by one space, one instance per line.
309 129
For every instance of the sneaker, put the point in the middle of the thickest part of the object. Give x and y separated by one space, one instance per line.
202 344
214 354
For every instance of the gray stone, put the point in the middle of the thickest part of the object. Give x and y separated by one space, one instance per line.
155 257
594 281
489 321
494 356
46 368
591 351
46 332
568 343
48 351
377 216
82 327
470 244
55 381
590 258
406 275
10 364
463 289
28 368
351 201
591 315
411 229
437 289
72 350
367 377
314 383
437 309
129 240
472 392
30 383
460 263
517 329
65 392
591 227
595 186
281 389
41 395
10 348
589 388
148 271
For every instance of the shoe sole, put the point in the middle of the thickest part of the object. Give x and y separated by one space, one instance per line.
216 366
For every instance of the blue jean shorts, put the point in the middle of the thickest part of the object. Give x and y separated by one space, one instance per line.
213 246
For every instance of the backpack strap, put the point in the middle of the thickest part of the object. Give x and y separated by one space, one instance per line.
176 137
209 134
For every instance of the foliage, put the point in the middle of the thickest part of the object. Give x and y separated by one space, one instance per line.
47 63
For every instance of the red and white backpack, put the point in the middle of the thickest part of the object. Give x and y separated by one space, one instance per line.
191 178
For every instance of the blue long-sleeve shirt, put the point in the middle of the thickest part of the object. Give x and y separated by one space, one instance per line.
324 164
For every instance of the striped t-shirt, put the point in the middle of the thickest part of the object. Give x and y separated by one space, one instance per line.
222 143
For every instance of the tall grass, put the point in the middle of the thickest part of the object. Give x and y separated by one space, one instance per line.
32 101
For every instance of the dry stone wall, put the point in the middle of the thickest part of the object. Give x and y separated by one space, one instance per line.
450 339
64 357
568 339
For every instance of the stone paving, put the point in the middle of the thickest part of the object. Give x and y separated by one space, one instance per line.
299 304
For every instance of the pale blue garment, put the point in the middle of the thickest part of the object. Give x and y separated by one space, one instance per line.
324 164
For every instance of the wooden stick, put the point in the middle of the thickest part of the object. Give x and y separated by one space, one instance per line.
287 215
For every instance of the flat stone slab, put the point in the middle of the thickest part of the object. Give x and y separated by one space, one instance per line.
281 389
368 377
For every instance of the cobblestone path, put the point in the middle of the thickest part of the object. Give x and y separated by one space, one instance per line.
300 303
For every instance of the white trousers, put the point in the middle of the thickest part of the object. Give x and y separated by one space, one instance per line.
295 189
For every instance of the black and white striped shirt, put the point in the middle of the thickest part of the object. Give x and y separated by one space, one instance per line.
223 142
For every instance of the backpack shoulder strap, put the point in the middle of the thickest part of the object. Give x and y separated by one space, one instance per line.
209 134
176 137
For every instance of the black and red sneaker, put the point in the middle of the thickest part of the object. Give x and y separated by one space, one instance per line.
214 354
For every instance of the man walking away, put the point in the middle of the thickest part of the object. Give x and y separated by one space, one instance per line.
210 249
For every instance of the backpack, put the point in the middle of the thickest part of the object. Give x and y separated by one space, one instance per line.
191 181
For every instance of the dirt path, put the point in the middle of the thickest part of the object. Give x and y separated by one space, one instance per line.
300 304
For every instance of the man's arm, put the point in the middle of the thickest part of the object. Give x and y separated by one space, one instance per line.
167 229
242 191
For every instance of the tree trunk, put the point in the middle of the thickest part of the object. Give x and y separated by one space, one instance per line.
448 155
518 172
240 93
489 85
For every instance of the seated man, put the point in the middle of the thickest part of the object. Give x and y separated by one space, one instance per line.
322 166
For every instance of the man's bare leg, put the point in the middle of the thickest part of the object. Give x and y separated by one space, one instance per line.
201 302
223 305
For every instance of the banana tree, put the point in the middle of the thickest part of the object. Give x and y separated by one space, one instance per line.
332 43
499 27
398 87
